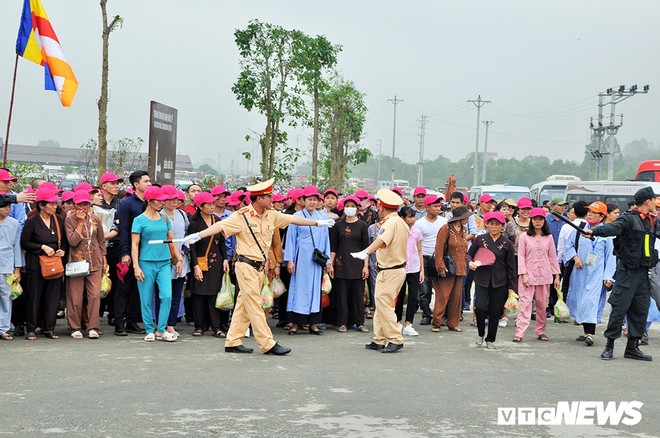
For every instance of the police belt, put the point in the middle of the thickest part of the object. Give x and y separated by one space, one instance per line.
402 265
259 266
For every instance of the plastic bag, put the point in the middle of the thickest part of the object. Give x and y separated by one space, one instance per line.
562 312
225 298
277 287
512 306
106 283
326 284
266 295
16 288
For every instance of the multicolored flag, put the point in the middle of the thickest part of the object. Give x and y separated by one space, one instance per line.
38 43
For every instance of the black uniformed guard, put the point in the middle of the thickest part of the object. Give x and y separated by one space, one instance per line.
636 232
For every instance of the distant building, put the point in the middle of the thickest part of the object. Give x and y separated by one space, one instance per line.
55 156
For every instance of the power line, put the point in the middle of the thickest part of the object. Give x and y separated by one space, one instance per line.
420 164
478 103
395 101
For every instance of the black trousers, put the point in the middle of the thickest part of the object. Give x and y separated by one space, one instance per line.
412 282
349 300
489 303
630 297
426 292
108 303
204 310
42 298
127 301
282 300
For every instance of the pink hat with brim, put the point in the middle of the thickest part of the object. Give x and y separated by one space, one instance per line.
419 191
485 198
67 196
110 177
204 198
50 186
233 200
220 190
396 190
170 191
495 215
361 194
432 199
81 196
180 195
524 202
340 204
154 193
331 192
311 190
538 212
84 186
6 176
46 195
294 194
277 197
352 199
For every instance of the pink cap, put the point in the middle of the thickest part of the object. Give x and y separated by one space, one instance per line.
466 198
244 197
277 197
130 190
419 191
81 196
538 212
84 186
170 191
6 176
50 186
524 202
340 204
396 190
45 194
485 198
495 215
67 196
351 198
110 177
154 193
233 200
432 199
331 192
294 194
204 198
361 194
180 195
220 190
311 190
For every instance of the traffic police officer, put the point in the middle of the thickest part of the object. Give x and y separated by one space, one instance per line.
634 246
253 227
390 246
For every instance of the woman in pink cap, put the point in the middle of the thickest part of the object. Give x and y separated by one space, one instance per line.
84 232
538 268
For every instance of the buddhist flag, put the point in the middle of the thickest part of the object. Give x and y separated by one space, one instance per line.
38 43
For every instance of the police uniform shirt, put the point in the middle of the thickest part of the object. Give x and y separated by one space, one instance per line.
394 232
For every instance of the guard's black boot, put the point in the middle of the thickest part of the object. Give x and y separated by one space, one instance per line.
609 350
633 351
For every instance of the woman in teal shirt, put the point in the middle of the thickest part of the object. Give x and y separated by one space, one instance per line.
152 263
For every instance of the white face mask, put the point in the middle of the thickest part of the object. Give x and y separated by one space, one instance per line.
350 211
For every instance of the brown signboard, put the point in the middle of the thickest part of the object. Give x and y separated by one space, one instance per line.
162 143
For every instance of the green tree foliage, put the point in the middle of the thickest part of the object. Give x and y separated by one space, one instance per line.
207 169
343 113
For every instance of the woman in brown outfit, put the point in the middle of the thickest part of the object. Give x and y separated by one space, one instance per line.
84 232
450 287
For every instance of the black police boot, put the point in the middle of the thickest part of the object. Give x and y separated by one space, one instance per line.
609 350
633 351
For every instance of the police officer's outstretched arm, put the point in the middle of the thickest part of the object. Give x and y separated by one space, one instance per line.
375 245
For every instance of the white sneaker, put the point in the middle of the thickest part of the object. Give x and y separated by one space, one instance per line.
168 337
400 327
410 331
150 337
503 322
247 332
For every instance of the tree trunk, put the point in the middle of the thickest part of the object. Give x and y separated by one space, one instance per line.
315 142
103 100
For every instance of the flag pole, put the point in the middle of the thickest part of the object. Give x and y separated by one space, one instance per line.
11 107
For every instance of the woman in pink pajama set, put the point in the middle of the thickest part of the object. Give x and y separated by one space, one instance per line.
537 264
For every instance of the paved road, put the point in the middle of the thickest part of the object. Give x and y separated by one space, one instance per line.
439 385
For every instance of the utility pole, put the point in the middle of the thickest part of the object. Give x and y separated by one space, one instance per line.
380 156
616 96
420 163
483 174
478 103
395 101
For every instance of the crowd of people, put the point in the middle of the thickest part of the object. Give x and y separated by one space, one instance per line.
166 253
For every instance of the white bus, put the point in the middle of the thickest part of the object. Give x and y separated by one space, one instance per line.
500 192
609 192
554 186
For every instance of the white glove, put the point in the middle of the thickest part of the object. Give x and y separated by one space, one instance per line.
360 255
191 239
325 223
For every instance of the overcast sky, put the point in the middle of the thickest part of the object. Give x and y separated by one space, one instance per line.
542 64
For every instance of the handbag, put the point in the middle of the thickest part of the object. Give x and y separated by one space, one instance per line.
203 262
318 256
51 266
81 268
450 266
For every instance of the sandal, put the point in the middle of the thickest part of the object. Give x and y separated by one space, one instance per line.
51 335
30 336
479 340
368 314
197 332
341 329
76 334
491 346
542 337
288 326
589 340
455 329
220 334
93 334
362 329
6 337
517 339
435 329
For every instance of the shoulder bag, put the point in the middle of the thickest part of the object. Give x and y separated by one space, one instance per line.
51 266
318 256
203 262
450 266
81 268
